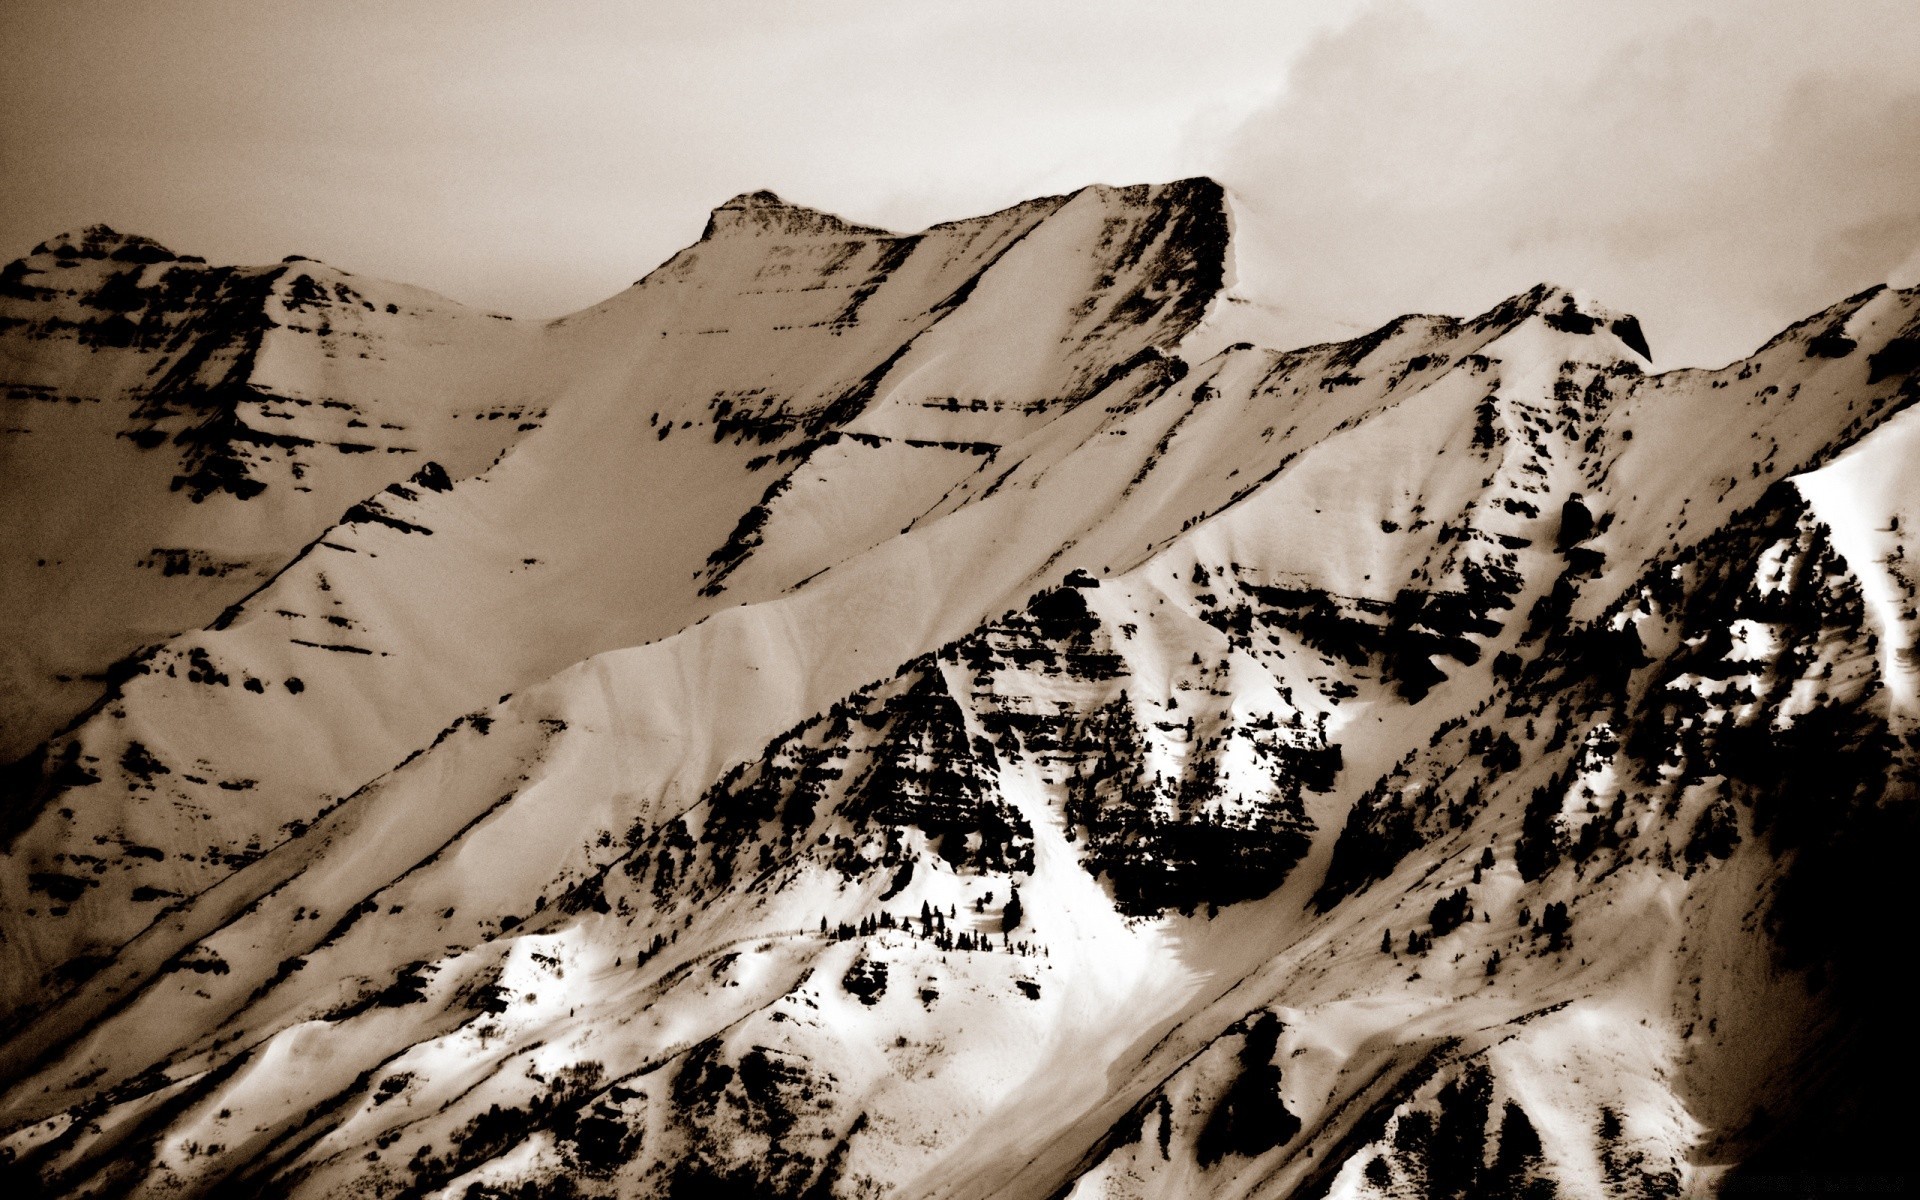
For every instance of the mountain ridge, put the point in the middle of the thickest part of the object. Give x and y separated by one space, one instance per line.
1259 676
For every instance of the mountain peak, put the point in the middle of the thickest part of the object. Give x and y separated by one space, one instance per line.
104 241
764 211
1569 311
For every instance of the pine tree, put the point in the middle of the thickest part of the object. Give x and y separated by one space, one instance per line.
1555 923
1011 915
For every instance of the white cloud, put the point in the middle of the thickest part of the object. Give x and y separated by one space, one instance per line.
1720 169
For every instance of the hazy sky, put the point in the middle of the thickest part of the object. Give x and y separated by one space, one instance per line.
1720 168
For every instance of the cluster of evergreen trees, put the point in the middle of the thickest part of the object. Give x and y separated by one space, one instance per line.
1446 1155
1556 924
1449 913
933 926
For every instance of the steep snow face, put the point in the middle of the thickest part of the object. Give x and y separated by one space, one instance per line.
1863 498
970 737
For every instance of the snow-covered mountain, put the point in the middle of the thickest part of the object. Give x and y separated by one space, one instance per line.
952 714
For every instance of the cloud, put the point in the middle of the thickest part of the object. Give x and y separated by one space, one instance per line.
1720 170
1907 274
1721 167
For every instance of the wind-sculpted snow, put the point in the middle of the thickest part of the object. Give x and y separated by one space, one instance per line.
960 745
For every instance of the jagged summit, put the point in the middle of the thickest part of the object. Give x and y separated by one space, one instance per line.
1570 311
103 241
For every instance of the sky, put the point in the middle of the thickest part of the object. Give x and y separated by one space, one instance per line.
1719 168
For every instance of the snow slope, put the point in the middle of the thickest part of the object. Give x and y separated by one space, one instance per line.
1440 763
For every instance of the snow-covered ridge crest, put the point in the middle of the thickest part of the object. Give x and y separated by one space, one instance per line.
103 241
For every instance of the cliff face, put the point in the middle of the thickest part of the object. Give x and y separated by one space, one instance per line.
865 714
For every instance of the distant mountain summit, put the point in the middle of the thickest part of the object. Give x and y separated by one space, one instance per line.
878 714
765 212
102 241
